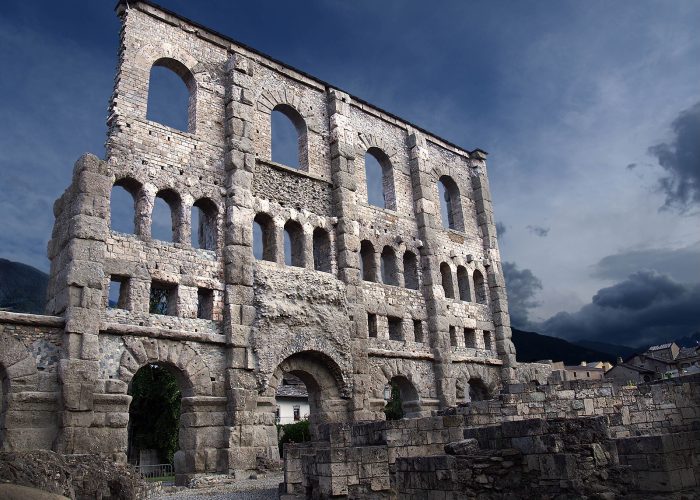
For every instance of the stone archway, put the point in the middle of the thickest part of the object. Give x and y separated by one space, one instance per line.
154 414
410 399
324 383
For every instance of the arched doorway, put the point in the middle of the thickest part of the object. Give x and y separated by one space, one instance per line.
324 384
403 400
478 390
154 414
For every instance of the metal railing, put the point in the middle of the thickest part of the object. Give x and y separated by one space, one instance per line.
155 470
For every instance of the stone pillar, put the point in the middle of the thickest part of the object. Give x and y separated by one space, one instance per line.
348 246
498 300
247 433
427 217
76 251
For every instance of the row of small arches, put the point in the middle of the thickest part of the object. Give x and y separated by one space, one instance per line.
465 284
289 140
168 218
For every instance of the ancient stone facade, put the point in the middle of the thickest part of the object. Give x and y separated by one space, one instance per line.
373 296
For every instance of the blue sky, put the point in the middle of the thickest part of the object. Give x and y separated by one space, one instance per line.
589 111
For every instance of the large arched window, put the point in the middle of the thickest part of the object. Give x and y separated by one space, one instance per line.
264 244
165 218
169 101
322 250
390 271
368 265
450 204
410 270
379 176
204 231
293 244
479 287
289 137
122 206
446 275
463 284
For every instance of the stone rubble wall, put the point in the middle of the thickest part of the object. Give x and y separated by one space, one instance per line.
569 449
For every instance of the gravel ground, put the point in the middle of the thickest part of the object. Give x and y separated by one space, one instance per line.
263 488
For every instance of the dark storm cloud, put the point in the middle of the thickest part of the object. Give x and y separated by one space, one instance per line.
522 287
681 160
538 231
647 307
500 229
682 264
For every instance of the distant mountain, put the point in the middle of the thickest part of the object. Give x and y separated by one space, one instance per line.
691 340
531 346
22 287
614 350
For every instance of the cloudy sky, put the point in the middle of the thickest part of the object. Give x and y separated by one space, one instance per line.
590 112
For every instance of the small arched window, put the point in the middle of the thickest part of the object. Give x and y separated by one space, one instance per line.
122 206
322 250
293 244
446 274
410 270
450 204
204 232
165 218
463 284
390 271
368 265
479 287
289 137
169 101
379 176
264 244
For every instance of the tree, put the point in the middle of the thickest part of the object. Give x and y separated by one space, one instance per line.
393 409
154 413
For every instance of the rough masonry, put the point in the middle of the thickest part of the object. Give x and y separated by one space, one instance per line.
373 295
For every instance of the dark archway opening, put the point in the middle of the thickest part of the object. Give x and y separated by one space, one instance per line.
478 390
154 415
402 399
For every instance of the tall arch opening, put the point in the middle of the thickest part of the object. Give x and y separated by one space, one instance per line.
321 377
264 243
322 250
403 400
390 271
446 276
172 95
154 414
165 218
204 231
450 204
122 206
478 391
294 244
479 287
368 264
379 177
410 270
463 284
289 137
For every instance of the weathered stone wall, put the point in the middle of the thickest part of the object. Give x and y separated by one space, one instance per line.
263 317
559 444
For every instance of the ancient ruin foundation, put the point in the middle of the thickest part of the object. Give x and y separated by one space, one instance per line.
409 293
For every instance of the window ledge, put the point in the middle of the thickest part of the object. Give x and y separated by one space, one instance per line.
291 170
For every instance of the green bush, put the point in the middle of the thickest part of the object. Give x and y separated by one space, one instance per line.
298 432
393 409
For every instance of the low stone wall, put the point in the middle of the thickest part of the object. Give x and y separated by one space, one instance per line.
570 445
671 405
665 462
569 458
